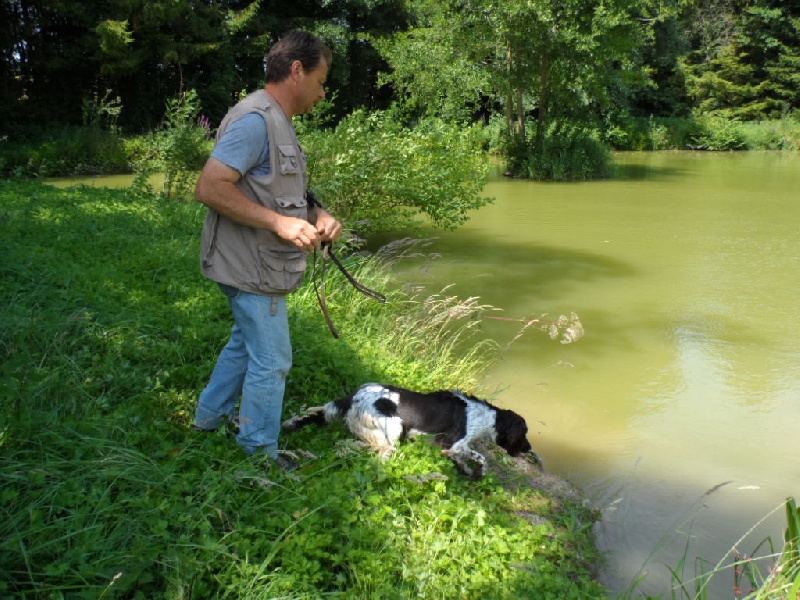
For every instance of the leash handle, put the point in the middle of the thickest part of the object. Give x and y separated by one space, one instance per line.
327 250
323 303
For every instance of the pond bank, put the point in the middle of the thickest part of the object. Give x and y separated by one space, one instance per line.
103 361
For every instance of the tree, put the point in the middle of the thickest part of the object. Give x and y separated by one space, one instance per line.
57 53
557 57
747 62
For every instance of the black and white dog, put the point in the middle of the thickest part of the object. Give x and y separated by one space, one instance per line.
380 415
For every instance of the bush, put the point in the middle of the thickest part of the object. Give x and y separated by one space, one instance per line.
779 134
566 152
718 133
653 133
64 152
373 172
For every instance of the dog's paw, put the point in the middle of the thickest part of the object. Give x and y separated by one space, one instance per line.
469 463
291 423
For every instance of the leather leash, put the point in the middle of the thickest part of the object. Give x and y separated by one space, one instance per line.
327 252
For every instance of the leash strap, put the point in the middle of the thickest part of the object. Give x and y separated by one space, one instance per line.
327 252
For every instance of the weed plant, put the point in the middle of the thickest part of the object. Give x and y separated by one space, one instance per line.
108 334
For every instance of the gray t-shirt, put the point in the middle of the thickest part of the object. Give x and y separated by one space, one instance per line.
245 146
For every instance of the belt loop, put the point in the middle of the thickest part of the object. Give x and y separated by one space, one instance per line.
273 308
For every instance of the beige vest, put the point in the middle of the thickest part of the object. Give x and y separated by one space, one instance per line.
257 260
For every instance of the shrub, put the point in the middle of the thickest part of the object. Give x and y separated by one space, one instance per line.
64 152
566 152
778 134
652 133
186 144
718 133
375 173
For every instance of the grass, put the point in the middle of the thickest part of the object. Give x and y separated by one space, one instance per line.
107 336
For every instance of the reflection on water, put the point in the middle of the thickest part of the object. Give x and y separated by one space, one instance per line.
677 412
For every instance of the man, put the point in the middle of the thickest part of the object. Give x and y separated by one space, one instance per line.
257 234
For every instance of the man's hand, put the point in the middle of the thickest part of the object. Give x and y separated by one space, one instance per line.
328 228
298 231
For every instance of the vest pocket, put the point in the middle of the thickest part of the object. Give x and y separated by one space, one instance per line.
209 238
292 206
281 270
287 159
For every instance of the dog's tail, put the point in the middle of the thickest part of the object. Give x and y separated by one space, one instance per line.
320 415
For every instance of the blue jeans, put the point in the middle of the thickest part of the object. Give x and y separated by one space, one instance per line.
253 364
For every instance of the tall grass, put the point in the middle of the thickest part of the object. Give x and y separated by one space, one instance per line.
771 571
108 335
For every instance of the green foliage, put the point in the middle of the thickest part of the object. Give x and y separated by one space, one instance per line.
179 148
461 61
377 175
718 134
557 57
115 37
107 493
102 111
654 133
186 145
750 72
64 151
782 134
565 152
703 133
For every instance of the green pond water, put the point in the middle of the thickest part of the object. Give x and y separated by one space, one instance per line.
684 272
678 413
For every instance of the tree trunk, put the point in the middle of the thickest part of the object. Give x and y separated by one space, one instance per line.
512 130
544 102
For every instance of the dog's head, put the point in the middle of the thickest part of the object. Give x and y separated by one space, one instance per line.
512 432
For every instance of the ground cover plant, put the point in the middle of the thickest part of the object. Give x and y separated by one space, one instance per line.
107 335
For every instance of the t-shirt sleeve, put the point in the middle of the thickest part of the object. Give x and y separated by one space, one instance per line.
245 145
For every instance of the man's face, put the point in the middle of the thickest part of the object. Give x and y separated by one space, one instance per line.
311 87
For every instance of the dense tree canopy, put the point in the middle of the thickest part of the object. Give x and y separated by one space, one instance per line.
746 62
554 56
461 59
57 53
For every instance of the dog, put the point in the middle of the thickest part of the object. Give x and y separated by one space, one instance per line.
381 415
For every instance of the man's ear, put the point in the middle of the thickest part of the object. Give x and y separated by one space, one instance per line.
296 70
